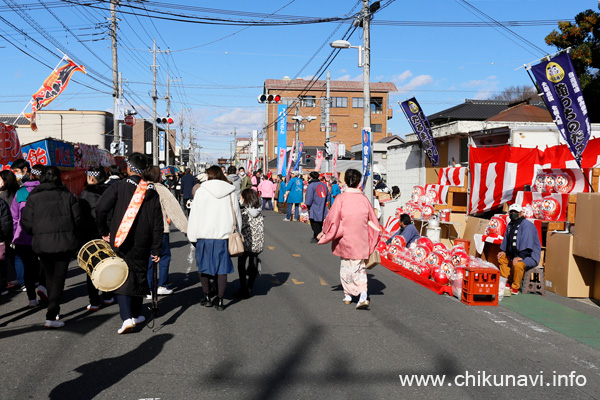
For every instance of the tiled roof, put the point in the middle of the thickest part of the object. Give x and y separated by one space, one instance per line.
10 119
389 139
523 113
340 86
476 110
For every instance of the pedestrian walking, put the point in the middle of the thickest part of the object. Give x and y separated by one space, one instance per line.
233 177
246 180
353 230
171 212
135 234
93 190
51 215
267 191
317 197
187 184
211 222
294 190
8 190
253 231
21 239
114 174
6 231
335 190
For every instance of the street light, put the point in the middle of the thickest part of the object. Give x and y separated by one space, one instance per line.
364 63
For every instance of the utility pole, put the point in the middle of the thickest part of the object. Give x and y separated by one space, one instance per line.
234 146
367 92
121 144
155 160
115 68
168 135
181 133
327 116
297 126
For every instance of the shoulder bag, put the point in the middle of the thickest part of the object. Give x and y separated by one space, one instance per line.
236 241
375 257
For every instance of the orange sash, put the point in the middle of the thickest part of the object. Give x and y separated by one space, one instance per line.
131 213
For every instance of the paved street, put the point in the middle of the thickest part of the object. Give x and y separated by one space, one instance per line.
295 339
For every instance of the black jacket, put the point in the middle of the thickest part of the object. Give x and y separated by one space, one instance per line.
6 223
145 235
87 202
51 215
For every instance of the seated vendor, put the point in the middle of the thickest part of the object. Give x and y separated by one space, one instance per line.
521 248
407 230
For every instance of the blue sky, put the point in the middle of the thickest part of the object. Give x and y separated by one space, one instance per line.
217 71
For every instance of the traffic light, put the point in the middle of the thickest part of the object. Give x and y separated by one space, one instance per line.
114 147
307 158
269 98
328 148
167 120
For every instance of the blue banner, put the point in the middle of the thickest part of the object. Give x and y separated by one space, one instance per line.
564 99
300 148
366 146
420 125
281 138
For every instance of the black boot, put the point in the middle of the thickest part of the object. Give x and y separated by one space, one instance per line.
206 301
220 306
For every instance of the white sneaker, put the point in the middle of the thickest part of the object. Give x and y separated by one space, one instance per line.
287 220
42 292
138 320
109 301
33 303
163 291
128 325
54 324
149 296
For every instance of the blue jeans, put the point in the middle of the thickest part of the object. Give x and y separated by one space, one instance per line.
163 264
296 211
267 201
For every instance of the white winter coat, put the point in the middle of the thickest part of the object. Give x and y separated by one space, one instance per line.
210 215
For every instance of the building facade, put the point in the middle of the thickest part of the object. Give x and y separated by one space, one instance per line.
346 111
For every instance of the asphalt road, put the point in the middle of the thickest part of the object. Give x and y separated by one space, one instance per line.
295 339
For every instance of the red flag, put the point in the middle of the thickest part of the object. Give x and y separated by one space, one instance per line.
54 85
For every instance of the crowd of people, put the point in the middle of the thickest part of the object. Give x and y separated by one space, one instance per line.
133 212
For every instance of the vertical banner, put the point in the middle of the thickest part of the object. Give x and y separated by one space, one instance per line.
300 148
420 125
366 152
257 165
564 99
281 138
319 160
289 163
161 145
10 146
334 157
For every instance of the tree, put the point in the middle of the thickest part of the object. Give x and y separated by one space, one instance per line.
584 39
517 93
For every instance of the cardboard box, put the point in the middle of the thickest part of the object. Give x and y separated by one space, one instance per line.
474 225
565 273
587 226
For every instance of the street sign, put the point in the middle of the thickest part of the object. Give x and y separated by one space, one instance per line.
129 120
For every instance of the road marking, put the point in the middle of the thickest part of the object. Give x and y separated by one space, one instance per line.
296 255
271 247
323 282
296 282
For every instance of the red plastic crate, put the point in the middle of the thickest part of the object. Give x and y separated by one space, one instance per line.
480 286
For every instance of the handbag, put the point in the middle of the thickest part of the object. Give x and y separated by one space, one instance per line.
374 259
235 243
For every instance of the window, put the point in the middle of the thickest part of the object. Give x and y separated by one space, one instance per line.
376 127
339 102
332 127
357 102
464 150
308 101
376 105
291 126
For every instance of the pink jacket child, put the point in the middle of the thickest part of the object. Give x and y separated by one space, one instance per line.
347 226
267 189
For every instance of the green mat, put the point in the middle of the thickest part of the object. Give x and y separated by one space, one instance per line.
569 322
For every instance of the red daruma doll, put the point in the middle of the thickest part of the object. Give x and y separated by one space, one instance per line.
550 209
539 182
549 183
399 241
564 183
496 227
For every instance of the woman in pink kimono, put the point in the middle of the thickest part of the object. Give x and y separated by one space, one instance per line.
353 230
